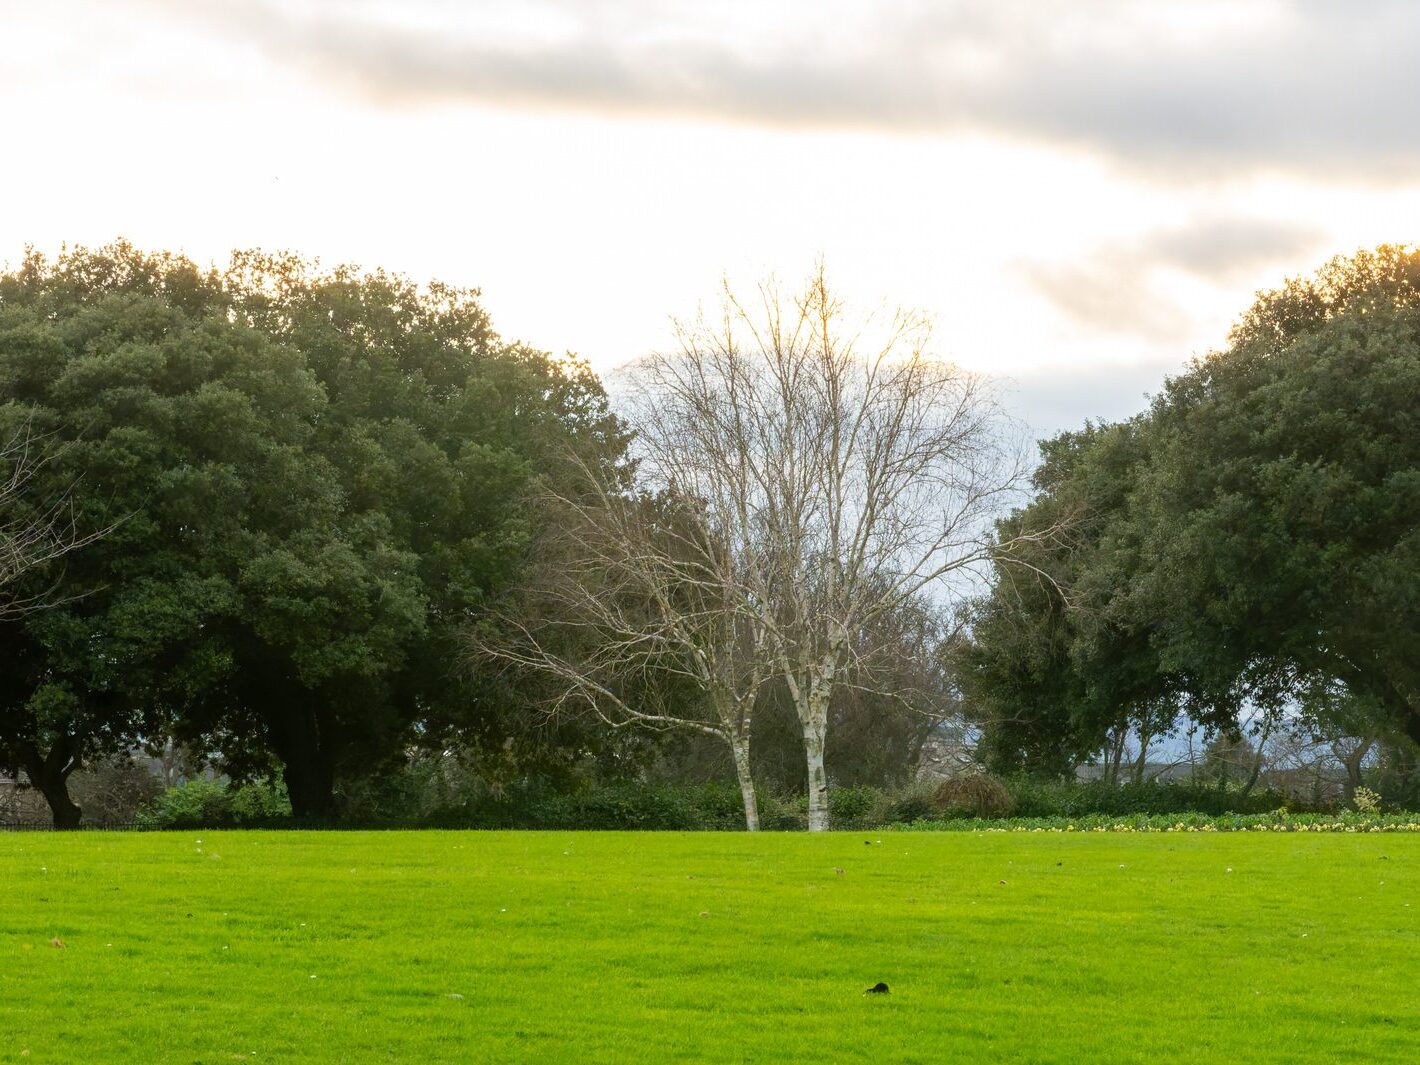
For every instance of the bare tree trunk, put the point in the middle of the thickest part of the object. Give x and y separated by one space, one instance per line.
1259 752
49 775
740 746
1353 769
841 473
815 735
306 764
168 759
64 810
813 716
1253 774
1113 756
1142 762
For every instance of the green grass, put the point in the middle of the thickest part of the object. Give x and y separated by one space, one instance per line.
504 947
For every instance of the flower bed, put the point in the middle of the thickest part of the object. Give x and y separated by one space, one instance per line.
1278 821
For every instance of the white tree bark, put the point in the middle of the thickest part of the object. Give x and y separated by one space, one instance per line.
815 738
846 471
802 479
740 746
634 596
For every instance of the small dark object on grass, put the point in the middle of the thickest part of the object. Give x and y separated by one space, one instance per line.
57 942
879 988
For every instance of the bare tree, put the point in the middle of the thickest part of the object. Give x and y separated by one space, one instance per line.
843 469
34 529
634 616
1351 753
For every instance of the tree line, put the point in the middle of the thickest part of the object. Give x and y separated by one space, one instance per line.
1243 554
305 522
306 483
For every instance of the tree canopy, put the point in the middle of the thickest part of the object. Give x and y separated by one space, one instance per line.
313 480
1253 536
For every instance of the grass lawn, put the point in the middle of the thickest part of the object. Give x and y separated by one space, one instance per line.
592 947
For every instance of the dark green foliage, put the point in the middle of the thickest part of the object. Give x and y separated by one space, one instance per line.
445 793
204 803
1253 538
1283 543
1053 663
784 813
1398 777
1072 798
314 481
430 795
633 807
451 792
873 741
850 806
537 806
911 804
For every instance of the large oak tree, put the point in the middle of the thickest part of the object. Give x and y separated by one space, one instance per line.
314 478
1253 538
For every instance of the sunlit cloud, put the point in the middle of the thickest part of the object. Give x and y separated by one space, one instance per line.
1083 195
1325 86
1122 287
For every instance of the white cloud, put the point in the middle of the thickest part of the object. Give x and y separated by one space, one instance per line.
587 207
1124 287
1314 86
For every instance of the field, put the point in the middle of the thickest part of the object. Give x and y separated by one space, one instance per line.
455 947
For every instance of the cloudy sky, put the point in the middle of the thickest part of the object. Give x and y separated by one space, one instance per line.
1083 193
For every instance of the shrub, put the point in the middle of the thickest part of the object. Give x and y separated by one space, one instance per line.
448 793
203 803
972 795
854 807
188 805
23 805
620 807
912 804
1076 798
1366 801
784 813
112 792
440 789
609 808
259 802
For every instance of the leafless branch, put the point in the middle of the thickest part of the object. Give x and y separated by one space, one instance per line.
846 470
35 528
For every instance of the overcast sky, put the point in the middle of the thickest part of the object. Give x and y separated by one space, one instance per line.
1083 194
